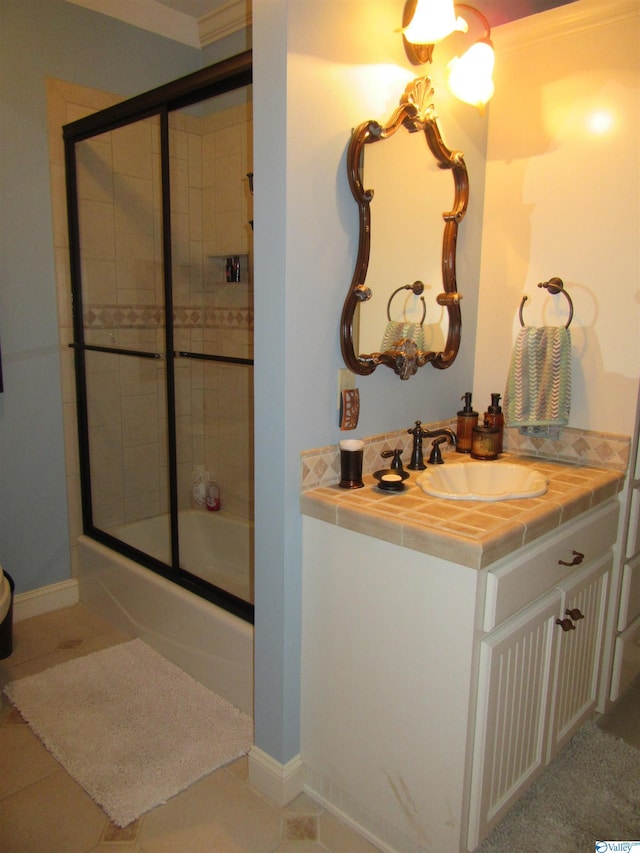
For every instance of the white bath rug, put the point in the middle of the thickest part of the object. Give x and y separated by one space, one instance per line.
590 793
130 727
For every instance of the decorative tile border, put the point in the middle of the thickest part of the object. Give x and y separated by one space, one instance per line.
152 317
321 467
580 446
123 317
213 318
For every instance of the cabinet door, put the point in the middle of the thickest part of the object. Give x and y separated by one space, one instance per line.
579 650
514 694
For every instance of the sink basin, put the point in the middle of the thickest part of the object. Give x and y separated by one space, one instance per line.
482 481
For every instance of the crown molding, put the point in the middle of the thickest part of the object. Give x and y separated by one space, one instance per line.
148 15
223 21
561 21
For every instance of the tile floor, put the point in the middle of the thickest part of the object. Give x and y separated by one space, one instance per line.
43 810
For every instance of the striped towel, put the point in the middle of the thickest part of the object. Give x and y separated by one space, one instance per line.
538 394
397 331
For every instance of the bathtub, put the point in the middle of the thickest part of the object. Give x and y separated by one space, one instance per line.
215 546
212 645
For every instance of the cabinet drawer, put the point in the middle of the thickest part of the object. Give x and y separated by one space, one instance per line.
630 595
518 580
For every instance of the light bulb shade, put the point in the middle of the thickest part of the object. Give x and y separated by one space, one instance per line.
433 21
469 75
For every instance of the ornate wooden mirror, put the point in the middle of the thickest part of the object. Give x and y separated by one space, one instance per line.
395 312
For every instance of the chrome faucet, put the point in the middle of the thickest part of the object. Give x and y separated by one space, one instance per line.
419 432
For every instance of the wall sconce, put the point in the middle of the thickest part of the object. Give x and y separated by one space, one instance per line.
427 22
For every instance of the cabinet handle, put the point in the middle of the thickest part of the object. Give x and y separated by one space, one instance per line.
566 624
577 559
574 614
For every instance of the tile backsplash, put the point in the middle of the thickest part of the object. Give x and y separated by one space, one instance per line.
321 466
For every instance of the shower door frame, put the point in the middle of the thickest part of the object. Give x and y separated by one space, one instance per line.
220 78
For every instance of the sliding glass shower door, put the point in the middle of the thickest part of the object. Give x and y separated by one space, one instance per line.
161 256
210 155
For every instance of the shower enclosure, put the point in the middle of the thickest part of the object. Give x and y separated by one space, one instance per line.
159 198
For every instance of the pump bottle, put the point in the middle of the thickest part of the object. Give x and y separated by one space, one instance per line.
493 417
467 419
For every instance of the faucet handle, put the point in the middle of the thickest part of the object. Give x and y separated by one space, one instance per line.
435 457
396 462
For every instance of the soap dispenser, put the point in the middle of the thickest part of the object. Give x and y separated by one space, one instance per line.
467 419
484 443
493 417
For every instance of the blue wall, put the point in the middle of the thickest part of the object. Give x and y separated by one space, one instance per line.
320 68
40 39
316 63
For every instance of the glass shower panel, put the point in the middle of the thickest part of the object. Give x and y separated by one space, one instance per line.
211 155
120 236
210 147
127 432
217 546
118 179
164 354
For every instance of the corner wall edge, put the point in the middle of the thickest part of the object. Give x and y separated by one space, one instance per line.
281 783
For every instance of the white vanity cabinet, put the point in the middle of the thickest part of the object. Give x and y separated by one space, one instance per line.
538 680
434 693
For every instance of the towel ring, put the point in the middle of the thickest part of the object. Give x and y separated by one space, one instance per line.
418 288
554 286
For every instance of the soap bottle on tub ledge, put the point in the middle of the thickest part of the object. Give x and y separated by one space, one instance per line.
199 487
213 496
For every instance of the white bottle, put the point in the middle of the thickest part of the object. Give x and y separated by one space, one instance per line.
199 487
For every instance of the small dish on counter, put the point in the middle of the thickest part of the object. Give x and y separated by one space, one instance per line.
391 479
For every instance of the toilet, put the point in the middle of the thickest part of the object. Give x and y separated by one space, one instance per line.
6 614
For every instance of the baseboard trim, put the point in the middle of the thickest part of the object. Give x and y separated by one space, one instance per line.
281 783
45 599
353 823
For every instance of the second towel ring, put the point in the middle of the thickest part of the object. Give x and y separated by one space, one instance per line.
554 286
418 288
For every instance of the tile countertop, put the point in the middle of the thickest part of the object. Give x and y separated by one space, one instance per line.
470 533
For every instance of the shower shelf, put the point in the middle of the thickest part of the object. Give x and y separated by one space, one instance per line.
220 264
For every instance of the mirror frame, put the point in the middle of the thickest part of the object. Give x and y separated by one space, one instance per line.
415 112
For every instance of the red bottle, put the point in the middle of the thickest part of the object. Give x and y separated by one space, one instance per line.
213 496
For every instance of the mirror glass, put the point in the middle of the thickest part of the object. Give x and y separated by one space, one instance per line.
409 190
402 309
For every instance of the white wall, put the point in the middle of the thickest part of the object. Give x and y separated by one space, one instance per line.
563 200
